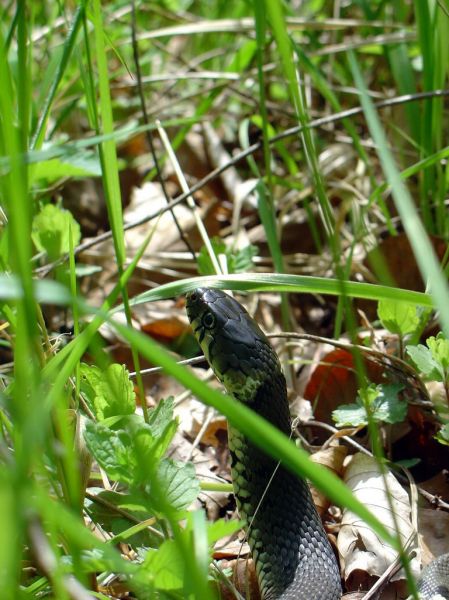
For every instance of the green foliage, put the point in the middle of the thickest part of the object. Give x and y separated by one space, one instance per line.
49 171
443 435
131 452
432 361
164 566
379 403
398 317
237 261
51 231
109 392
64 111
126 447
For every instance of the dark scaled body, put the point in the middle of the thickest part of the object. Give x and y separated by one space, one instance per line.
292 554
293 558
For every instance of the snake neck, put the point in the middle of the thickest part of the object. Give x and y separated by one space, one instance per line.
292 555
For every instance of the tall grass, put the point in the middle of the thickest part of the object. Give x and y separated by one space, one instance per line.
85 52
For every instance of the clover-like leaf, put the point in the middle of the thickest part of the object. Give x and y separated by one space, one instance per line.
50 231
398 317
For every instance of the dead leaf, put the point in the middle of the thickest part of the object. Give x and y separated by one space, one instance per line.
165 330
362 552
434 533
243 577
332 458
333 382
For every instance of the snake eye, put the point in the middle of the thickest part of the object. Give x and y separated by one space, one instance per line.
193 296
208 320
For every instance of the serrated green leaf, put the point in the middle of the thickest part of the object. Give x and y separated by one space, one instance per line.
425 363
161 415
150 447
50 231
146 448
205 266
350 415
388 407
221 528
439 347
165 438
110 392
242 260
398 317
117 389
443 435
369 395
381 401
175 485
165 566
113 450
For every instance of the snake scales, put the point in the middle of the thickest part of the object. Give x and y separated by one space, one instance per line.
291 551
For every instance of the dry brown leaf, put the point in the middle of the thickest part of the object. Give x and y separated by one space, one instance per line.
165 330
332 458
434 533
333 382
361 550
243 577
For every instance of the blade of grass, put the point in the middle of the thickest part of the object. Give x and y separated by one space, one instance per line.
39 133
108 153
422 248
276 282
14 194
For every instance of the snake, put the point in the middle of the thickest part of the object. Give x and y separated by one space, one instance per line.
293 557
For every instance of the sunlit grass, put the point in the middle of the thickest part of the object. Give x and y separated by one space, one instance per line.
279 70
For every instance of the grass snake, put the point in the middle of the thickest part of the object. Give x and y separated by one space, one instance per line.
291 551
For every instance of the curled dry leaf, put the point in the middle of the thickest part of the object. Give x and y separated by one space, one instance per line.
434 533
333 382
362 552
243 578
332 458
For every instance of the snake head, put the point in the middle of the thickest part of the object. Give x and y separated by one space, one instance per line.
234 345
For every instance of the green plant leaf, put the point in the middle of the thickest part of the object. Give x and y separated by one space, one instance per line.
50 231
398 317
443 435
350 415
113 450
439 347
110 392
221 528
175 485
164 566
127 449
388 407
161 415
381 401
54 169
238 261
425 362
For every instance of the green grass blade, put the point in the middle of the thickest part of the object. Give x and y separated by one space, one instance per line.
277 282
39 133
422 248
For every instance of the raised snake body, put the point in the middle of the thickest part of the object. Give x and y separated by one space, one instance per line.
291 551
